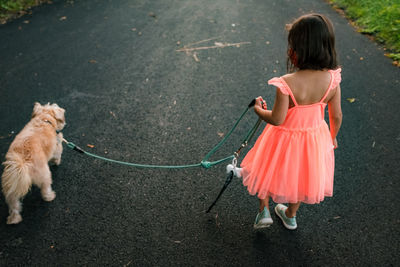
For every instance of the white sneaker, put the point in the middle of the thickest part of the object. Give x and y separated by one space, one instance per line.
289 223
263 219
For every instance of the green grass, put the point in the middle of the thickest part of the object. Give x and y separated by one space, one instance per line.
13 8
16 5
380 18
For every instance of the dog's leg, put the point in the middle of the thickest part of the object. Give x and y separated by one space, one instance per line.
45 186
14 207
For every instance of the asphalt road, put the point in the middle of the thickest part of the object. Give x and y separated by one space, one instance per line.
114 67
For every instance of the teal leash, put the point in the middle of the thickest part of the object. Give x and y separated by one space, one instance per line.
245 142
205 163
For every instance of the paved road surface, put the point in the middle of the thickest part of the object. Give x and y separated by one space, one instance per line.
114 67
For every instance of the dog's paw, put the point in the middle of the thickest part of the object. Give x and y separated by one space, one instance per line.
49 196
14 218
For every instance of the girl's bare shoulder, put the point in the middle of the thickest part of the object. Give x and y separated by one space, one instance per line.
289 76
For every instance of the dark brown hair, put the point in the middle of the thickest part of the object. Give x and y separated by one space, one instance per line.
311 44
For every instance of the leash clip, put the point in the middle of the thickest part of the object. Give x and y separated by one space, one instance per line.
243 145
234 162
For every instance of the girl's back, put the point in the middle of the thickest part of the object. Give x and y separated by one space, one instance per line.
307 93
309 86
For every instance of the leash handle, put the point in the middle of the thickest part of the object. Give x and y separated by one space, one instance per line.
253 103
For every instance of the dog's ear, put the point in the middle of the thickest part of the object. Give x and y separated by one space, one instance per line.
37 108
58 112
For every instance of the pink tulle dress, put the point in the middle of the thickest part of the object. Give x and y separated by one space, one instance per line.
294 161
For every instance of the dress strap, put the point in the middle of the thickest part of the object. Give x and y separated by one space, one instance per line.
336 78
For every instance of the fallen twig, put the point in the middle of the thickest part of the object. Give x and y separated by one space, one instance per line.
202 41
210 47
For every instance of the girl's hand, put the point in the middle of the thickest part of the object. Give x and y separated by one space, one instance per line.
335 144
260 103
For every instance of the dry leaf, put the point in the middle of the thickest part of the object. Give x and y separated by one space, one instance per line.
63 18
134 29
351 100
26 21
195 57
337 217
89 145
177 241
128 263
219 44
113 114
92 61
220 134
216 220
151 14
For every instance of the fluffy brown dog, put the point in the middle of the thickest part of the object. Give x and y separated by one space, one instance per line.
28 156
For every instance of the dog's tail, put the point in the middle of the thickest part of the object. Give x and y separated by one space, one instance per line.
16 180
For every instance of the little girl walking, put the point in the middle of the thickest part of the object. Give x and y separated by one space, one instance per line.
293 160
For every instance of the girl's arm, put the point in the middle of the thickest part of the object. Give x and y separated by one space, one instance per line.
277 115
335 115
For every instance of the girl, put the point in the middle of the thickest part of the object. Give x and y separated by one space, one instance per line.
293 161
